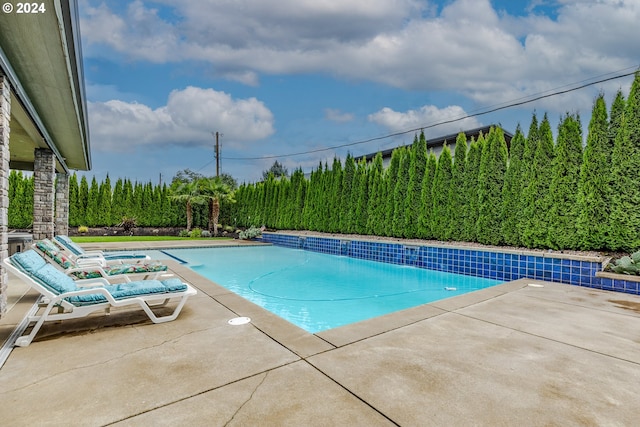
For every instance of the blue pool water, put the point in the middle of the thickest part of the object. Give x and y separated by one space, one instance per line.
317 291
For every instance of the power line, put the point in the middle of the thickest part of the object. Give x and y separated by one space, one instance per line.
480 113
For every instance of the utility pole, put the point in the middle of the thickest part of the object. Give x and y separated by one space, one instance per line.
217 154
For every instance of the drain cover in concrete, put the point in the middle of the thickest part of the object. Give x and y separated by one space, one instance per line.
239 321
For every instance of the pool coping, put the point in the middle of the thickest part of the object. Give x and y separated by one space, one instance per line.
306 344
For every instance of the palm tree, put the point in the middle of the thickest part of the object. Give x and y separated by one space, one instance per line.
189 193
215 191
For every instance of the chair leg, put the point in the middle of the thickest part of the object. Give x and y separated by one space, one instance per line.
25 340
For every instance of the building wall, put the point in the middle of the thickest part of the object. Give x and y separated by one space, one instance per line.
5 110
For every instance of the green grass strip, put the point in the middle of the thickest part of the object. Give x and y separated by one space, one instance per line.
103 239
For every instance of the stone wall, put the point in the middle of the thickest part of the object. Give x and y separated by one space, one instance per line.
5 109
62 204
43 194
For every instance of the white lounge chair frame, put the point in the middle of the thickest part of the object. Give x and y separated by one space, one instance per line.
95 256
98 266
66 310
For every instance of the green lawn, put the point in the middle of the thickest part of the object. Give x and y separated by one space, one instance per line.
102 239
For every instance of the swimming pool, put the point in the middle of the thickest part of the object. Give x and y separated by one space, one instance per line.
317 291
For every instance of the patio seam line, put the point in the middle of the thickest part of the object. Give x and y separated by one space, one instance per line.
336 382
283 345
547 338
443 311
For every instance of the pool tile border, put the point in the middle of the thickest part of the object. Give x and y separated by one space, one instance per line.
507 265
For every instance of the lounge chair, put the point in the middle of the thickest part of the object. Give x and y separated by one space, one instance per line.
76 252
62 293
88 269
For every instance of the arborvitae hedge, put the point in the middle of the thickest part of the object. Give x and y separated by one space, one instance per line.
493 166
625 163
347 205
425 217
400 194
595 181
377 196
389 201
441 200
471 189
458 196
537 206
362 194
512 190
414 190
562 216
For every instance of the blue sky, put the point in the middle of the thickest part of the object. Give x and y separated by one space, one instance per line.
278 77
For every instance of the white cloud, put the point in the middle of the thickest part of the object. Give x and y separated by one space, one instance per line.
187 120
468 47
427 115
338 116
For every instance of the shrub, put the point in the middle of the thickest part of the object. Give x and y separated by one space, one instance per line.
250 233
183 233
627 265
128 223
83 229
196 232
229 229
205 233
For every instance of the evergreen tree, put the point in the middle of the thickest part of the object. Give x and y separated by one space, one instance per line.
15 195
399 194
332 199
93 204
595 181
414 190
512 190
625 162
425 216
347 205
442 182
391 178
615 123
20 209
297 198
535 231
104 203
362 193
563 192
117 202
74 220
27 201
83 199
472 174
527 201
493 167
459 210
128 200
310 203
377 197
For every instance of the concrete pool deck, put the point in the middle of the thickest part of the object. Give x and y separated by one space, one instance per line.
508 355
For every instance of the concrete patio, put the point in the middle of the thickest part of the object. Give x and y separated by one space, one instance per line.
509 355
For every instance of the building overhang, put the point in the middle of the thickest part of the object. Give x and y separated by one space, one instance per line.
40 54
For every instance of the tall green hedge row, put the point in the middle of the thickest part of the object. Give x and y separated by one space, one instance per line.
540 193
96 204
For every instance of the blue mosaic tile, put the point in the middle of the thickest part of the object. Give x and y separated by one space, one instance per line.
497 265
